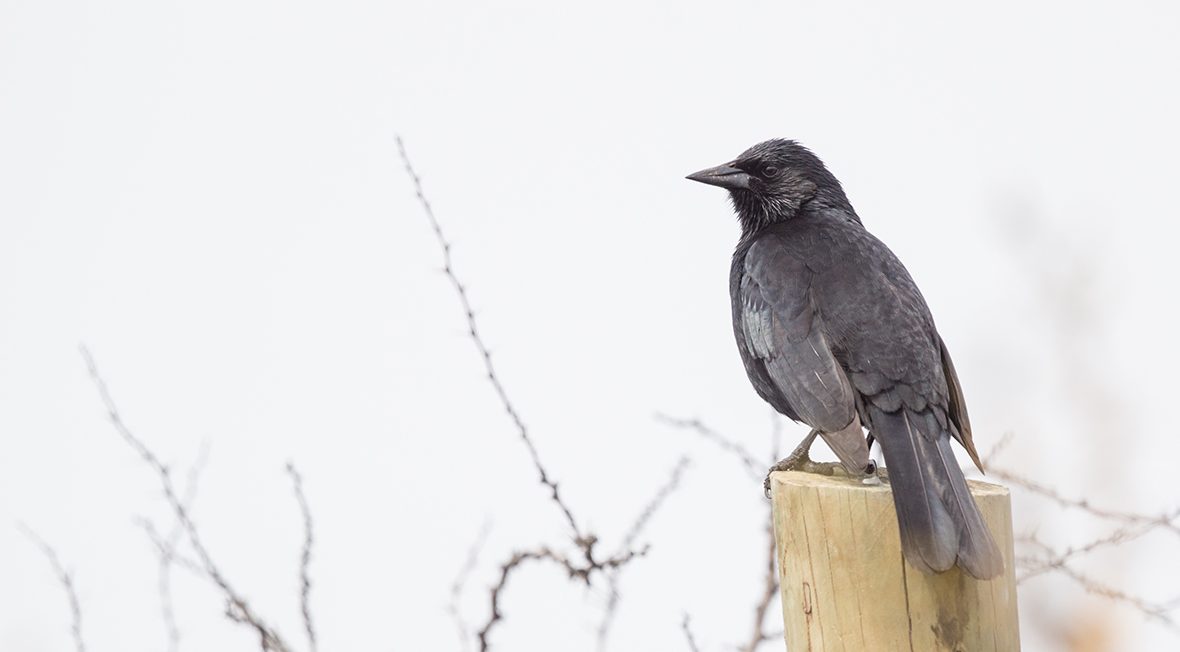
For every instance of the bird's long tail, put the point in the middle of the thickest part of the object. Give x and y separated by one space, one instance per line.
939 521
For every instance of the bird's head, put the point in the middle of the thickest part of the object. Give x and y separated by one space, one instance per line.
773 181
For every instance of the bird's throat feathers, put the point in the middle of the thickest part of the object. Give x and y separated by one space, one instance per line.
756 211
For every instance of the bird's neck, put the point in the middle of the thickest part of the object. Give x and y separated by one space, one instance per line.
756 213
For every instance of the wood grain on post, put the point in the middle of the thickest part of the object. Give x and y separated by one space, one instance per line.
845 585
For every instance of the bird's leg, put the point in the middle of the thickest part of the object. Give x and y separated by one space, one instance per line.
797 459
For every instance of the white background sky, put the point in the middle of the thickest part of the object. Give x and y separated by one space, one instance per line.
208 194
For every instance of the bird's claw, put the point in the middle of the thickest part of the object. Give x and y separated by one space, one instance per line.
801 461
793 462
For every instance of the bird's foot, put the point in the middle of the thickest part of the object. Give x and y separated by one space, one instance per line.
798 460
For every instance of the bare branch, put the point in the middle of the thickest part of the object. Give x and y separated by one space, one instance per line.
1165 521
770 584
268 640
237 608
1157 612
633 533
687 627
1047 559
776 435
461 581
608 615
769 592
997 449
588 565
753 467
167 554
506 569
579 571
305 557
67 582
1162 521
166 550
1054 559
654 504
484 352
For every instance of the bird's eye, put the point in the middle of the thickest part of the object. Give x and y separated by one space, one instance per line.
770 172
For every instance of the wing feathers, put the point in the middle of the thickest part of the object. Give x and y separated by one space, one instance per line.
958 406
780 329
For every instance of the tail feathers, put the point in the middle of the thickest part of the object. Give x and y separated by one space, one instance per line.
939 522
978 553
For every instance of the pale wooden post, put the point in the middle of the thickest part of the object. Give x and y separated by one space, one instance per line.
845 585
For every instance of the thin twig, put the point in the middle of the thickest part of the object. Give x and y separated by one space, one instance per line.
304 557
461 581
770 583
654 504
1048 559
1165 521
484 352
1157 612
589 565
66 579
168 556
581 572
756 469
776 435
1054 559
237 608
1161 521
637 527
165 549
770 587
506 569
686 626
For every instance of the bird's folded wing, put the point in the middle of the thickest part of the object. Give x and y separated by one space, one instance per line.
784 333
958 406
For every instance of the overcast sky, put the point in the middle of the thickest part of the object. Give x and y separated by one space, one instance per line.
209 196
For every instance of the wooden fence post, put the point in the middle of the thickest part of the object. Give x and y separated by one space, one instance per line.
845 585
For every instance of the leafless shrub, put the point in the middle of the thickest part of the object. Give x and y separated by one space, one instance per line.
580 559
586 564
1037 557
770 584
1064 268
237 608
1041 560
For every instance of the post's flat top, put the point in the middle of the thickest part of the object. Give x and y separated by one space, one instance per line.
839 479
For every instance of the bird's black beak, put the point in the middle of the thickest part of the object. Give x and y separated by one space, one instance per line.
725 176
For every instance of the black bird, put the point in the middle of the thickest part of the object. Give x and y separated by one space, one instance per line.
834 333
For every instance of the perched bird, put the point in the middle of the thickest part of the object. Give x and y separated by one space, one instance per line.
834 333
